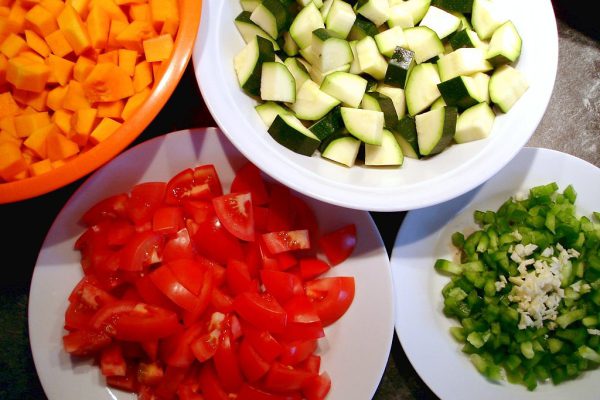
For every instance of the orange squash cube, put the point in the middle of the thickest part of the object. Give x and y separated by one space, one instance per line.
82 68
58 43
158 48
140 12
55 98
105 128
71 25
134 103
116 27
107 82
127 60
7 137
134 34
60 147
114 11
12 161
7 124
75 99
62 119
98 26
16 17
61 70
8 105
41 20
25 74
81 6
36 43
54 6
13 45
36 142
35 100
164 11
143 76
83 120
26 124
112 109
40 167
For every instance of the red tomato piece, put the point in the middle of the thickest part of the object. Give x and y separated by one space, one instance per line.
208 174
317 387
151 295
179 246
227 364
339 244
211 388
261 310
127 383
85 342
185 392
282 241
173 377
261 219
190 273
183 186
150 374
236 213
238 278
111 207
197 210
301 310
253 366
311 268
263 342
166 281
280 216
119 232
221 301
297 351
167 220
142 250
176 350
205 346
283 378
77 317
302 331
331 297
204 297
145 198
216 243
88 295
312 363
248 392
248 179
150 347
282 285
112 362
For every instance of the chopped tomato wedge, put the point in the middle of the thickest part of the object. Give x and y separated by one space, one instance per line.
227 364
184 187
211 388
190 273
167 220
282 285
111 207
85 342
263 342
178 246
141 251
339 244
166 281
248 179
144 200
236 213
282 241
283 378
331 297
213 241
252 364
310 268
112 362
238 278
317 387
150 374
297 351
261 310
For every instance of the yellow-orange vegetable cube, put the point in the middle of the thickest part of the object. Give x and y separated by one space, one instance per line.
140 12
12 161
13 45
107 82
36 43
71 25
98 26
60 147
7 124
54 6
83 120
62 119
134 102
58 43
163 11
81 6
114 11
16 17
8 105
116 27
26 124
26 74
41 20
127 60
105 128
36 142
36 100
40 167
55 98
142 76
158 48
112 109
82 68
108 57
134 34
61 70
7 137
75 99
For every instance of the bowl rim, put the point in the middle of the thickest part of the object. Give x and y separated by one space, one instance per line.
170 74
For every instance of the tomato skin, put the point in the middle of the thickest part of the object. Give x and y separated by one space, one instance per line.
253 366
282 285
227 364
297 351
312 363
248 392
331 297
339 244
189 272
175 350
267 347
167 220
221 301
112 362
283 378
282 241
141 251
85 342
145 198
211 388
127 383
236 213
178 246
248 179
151 295
311 268
304 217
238 278
110 207
213 241
166 281
150 374
261 311
301 310
119 232
317 387
208 174
184 186
198 210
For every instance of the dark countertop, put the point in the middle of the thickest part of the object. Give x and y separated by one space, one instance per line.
571 125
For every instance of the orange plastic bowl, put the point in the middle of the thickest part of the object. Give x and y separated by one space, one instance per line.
129 131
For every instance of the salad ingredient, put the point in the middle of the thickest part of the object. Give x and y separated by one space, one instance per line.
525 290
189 292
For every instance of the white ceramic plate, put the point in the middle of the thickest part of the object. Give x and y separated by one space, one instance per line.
425 236
356 348
419 183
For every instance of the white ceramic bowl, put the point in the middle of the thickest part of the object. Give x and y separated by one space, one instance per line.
418 183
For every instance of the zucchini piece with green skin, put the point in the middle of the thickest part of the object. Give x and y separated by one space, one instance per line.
366 125
273 16
340 18
463 61
465 38
416 8
362 27
474 123
375 11
507 85
289 45
277 83
397 95
354 65
438 103
421 88
346 87
380 102
424 42
505 45
461 92
297 69
388 153
248 64
441 22
288 131
306 21
342 149
399 16
325 8
267 111
249 5
312 103
486 17
304 3
462 6
369 58
482 80
435 129
329 125
318 76
331 51
249 29
406 135
464 21
388 40
399 67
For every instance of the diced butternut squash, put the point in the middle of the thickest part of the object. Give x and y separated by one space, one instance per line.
116 27
55 98
134 34
114 11
75 98
83 120
54 6
16 17
37 43
98 26
60 147
71 25
127 60
62 119
107 82
112 109
26 74
171 26
140 12
57 163
134 102
32 56
13 45
158 48
7 124
81 6
164 11
8 105
82 68
108 57
142 77
36 142
105 128
11 160
3 67
58 43
40 167
61 70
35 100
7 137
41 20
26 124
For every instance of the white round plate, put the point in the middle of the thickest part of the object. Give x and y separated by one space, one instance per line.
356 348
425 236
418 183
